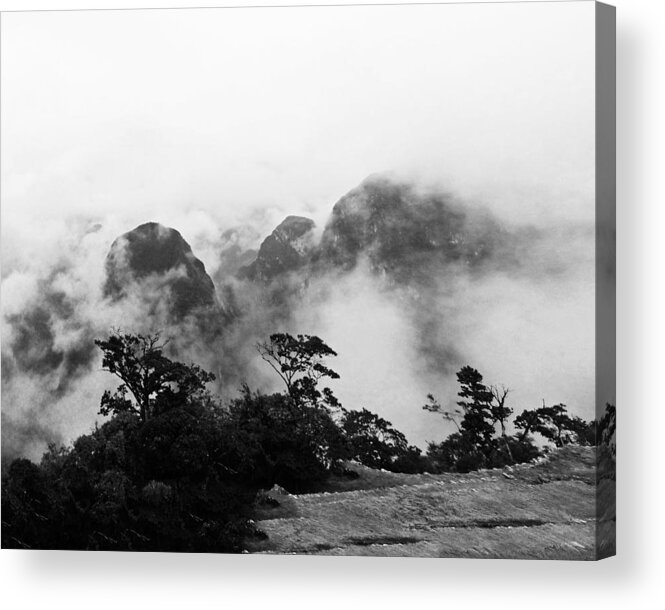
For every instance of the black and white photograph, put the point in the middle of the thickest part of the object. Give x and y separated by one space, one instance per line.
325 280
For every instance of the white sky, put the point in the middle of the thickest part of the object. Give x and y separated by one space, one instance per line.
149 112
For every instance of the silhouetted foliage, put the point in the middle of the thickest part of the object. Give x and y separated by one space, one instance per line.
411 461
476 444
173 470
278 439
528 421
130 485
373 441
520 451
482 409
587 433
457 453
478 421
555 424
150 478
155 382
299 363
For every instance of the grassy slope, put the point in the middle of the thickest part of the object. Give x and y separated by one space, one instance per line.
545 510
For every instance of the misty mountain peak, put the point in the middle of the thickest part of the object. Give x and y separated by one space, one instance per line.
293 228
400 228
157 264
285 249
154 248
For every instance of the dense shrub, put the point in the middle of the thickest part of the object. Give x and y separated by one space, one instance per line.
374 442
455 454
279 440
411 461
128 486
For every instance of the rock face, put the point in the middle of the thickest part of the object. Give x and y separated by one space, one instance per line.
157 265
286 249
396 229
403 231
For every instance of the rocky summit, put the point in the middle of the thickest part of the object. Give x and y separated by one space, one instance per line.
401 230
286 249
156 264
393 227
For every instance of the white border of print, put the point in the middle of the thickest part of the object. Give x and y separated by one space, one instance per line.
111 580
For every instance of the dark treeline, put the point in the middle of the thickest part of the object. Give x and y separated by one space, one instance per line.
482 418
173 469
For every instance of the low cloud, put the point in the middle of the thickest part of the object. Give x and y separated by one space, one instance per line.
524 318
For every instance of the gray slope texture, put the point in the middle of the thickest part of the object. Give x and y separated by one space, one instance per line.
554 508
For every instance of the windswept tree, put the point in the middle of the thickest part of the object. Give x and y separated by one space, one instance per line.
557 424
553 423
481 409
299 363
528 421
481 417
476 402
451 415
292 437
307 434
151 382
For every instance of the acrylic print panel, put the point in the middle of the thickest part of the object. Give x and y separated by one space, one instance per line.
322 280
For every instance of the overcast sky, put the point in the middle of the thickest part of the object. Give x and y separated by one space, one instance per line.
146 112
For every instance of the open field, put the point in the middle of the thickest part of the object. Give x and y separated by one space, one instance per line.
544 510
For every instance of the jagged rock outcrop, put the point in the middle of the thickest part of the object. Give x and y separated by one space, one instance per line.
154 264
403 231
399 230
286 249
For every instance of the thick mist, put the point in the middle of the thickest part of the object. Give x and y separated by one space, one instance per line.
530 329
524 319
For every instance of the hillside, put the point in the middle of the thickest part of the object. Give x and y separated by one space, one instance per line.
544 510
